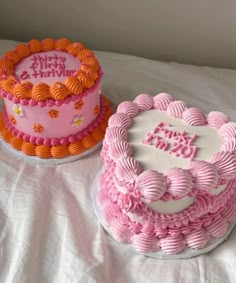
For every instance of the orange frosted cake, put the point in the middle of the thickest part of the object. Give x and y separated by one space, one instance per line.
53 106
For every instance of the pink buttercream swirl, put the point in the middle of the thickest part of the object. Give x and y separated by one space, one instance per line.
110 213
217 119
119 120
148 229
159 232
129 108
121 232
225 163
162 100
229 145
179 182
151 184
197 239
194 117
130 202
172 244
176 109
204 174
115 134
217 228
230 213
228 131
204 204
120 149
144 102
127 169
144 244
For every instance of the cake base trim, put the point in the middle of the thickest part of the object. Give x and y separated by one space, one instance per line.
49 161
186 253
60 151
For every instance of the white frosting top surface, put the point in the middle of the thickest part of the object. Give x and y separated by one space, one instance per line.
47 67
208 141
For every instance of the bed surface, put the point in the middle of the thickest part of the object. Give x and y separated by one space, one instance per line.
48 229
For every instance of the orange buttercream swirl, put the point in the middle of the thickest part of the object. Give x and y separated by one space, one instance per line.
92 62
48 44
62 43
13 56
98 134
1 122
35 46
6 72
28 148
76 148
74 48
6 64
59 151
16 143
41 92
59 91
7 136
89 71
88 142
73 85
43 151
8 84
22 90
105 100
84 53
23 50
85 79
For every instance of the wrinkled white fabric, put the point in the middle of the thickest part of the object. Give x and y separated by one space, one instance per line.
48 230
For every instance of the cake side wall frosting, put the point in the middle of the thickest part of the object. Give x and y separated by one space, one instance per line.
138 189
55 121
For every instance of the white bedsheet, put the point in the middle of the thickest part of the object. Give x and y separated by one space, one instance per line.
48 230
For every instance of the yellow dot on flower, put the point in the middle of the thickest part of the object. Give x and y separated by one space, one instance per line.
17 110
78 120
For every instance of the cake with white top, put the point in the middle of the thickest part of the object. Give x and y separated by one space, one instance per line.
167 184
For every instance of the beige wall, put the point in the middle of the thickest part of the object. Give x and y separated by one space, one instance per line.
195 32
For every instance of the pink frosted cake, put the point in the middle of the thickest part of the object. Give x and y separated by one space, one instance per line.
168 180
53 105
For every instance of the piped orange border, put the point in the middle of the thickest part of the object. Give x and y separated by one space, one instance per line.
60 151
83 79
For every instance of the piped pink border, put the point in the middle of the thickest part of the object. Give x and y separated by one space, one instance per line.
224 161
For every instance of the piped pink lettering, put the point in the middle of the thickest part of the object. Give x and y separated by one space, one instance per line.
192 139
181 145
149 138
